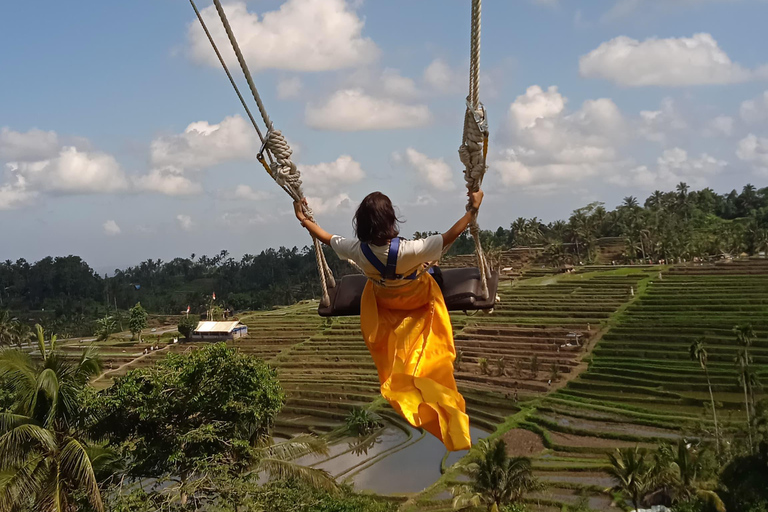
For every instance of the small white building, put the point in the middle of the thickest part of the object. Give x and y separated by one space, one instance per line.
218 331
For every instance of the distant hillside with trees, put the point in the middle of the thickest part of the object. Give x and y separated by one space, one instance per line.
66 295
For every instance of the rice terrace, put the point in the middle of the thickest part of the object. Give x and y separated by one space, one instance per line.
568 314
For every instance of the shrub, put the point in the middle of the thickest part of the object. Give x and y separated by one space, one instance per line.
535 366
362 422
482 363
186 326
501 366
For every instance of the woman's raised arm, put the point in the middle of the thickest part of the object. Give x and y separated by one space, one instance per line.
457 229
314 229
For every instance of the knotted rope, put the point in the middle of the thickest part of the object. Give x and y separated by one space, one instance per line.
280 167
474 146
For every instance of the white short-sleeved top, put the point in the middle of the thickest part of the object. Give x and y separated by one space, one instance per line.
411 255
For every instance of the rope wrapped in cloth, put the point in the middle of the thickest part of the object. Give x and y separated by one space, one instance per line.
473 153
474 145
287 175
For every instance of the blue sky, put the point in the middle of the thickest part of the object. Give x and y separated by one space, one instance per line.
121 139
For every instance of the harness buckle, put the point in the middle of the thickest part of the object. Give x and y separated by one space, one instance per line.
260 154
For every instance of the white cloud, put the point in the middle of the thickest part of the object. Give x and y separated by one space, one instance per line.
73 172
755 110
754 149
303 35
184 222
204 145
326 178
247 193
672 167
624 8
657 125
111 228
385 83
719 126
424 200
289 88
168 180
441 77
536 104
681 61
239 219
330 205
396 85
354 110
15 194
32 145
444 79
550 148
435 172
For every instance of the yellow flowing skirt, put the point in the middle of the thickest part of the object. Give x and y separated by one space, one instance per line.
408 332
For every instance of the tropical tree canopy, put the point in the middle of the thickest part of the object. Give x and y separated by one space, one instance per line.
197 408
495 478
46 460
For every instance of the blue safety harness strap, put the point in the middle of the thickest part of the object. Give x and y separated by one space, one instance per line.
388 271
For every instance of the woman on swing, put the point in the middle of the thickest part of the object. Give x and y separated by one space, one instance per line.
403 316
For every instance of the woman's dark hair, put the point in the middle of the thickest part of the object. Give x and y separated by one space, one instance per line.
375 219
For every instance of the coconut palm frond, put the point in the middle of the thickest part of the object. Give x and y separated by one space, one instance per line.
295 447
284 470
467 499
15 444
106 461
9 421
19 484
76 463
89 365
17 369
39 336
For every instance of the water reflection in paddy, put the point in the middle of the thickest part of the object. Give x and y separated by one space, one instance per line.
352 451
410 470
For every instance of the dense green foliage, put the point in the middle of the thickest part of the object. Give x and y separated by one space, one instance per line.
682 224
680 475
362 422
65 295
495 479
47 460
186 325
245 495
744 481
190 410
137 320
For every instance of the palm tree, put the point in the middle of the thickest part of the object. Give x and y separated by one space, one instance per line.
745 335
6 328
495 478
20 333
698 352
630 202
742 361
632 472
105 327
44 459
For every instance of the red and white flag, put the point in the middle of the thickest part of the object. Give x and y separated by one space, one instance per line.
187 309
214 295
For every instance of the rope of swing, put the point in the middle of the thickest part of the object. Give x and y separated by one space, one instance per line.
280 167
473 151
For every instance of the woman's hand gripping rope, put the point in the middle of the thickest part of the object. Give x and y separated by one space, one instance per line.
314 230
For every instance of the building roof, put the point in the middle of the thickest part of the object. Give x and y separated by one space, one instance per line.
217 326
